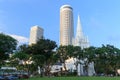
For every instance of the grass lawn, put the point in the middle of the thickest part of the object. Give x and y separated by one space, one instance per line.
73 78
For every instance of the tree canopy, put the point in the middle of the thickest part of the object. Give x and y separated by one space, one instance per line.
7 45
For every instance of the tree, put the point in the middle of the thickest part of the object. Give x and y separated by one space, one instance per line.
23 48
39 62
62 51
19 59
70 50
7 45
79 55
43 51
90 53
109 56
20 56
112 60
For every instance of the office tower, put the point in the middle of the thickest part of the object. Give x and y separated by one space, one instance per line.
66 25
80 39
36 33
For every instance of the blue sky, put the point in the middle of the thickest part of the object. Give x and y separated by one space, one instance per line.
100 19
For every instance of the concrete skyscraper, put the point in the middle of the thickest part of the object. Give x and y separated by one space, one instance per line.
80 39
66 25
35 33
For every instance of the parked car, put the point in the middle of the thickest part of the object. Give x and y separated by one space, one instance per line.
12 77
2 77
23 74
8 73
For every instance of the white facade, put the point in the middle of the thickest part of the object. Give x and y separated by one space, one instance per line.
66 25
35 33
91 70
80 39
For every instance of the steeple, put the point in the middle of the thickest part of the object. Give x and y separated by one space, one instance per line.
80 39
79 32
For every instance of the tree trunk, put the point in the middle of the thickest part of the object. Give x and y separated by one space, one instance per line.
65 67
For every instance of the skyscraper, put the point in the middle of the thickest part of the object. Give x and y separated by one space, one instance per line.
35 33
66 25
80 39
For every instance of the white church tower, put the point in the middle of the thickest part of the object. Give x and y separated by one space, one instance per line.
80 39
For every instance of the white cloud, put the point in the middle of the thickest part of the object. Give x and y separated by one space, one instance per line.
20 39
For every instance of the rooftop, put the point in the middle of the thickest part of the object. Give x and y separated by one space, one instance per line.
66 6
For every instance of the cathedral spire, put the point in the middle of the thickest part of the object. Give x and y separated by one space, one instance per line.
80 39
79 32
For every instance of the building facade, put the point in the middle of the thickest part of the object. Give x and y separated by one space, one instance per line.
66 25
36 33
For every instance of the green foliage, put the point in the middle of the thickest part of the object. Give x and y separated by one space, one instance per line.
7 45
24 48
42 53
43 47
78 52
38 59
62 51
90 53
107 55
20 56
70 50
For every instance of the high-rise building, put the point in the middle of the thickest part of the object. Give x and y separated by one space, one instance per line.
66 25
80 39
36 33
